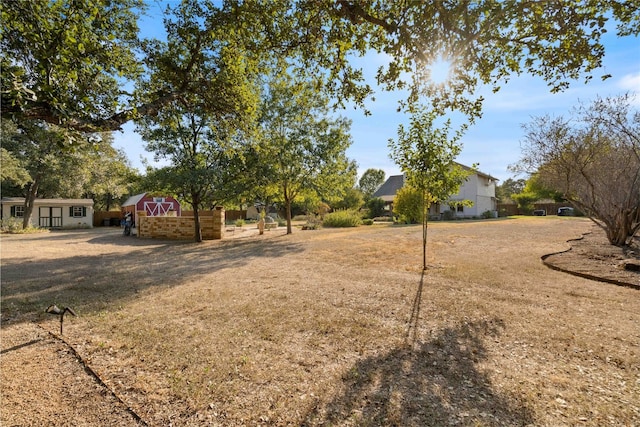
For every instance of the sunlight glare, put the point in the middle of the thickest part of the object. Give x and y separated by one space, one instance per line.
440 71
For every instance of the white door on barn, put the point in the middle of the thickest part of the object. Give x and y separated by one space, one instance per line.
158 208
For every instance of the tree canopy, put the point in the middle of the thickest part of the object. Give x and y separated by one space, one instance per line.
202 126
370 181
509 187
68 63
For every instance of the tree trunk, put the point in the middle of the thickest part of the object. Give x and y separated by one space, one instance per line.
196 218
29 202
623 227
287 204
425 220
288 209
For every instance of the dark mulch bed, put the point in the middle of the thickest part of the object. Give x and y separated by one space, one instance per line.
592 256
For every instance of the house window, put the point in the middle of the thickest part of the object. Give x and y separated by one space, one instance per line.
460 208
78 211
17 211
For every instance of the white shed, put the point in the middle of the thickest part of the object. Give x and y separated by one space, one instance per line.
51 213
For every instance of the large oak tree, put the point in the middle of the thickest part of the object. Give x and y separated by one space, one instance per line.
304 148
200 130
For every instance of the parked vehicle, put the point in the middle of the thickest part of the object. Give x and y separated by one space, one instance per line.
565 211
540 212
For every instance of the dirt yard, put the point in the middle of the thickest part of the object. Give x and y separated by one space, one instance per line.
328 327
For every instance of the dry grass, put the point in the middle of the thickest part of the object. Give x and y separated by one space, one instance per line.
332 327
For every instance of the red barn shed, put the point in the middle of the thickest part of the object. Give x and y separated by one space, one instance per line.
151 205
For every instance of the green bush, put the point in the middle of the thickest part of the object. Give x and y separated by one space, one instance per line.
448 215
376 207
311 225
239 222
407 206
14 226
487 214
346 218
367 221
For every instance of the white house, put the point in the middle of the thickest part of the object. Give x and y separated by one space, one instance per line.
51 213
479 188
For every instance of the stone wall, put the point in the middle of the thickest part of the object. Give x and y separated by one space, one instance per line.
182 227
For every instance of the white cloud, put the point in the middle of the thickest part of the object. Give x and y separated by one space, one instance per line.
630 82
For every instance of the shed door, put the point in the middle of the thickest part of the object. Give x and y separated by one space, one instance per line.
158 208
50 217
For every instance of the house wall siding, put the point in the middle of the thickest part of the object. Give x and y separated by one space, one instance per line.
479 190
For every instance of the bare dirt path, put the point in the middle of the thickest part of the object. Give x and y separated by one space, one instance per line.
326 327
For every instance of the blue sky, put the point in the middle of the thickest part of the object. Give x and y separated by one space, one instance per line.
493 142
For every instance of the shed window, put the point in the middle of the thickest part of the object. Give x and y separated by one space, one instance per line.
17 211
77 211
460 208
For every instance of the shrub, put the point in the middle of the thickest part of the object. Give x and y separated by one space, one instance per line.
311 226
239 222
448 215
487 214
11 225
14 226
347 218
376 207
407 206
367 221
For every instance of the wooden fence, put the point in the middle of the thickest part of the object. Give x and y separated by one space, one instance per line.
112 218
506 209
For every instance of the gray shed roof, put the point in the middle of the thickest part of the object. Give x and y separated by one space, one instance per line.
133 200
49 202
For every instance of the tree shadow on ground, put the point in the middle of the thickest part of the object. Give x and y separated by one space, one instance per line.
435 382
89 283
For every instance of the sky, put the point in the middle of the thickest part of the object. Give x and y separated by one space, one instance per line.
493 142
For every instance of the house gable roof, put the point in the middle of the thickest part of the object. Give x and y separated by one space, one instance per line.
477 172
388 190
